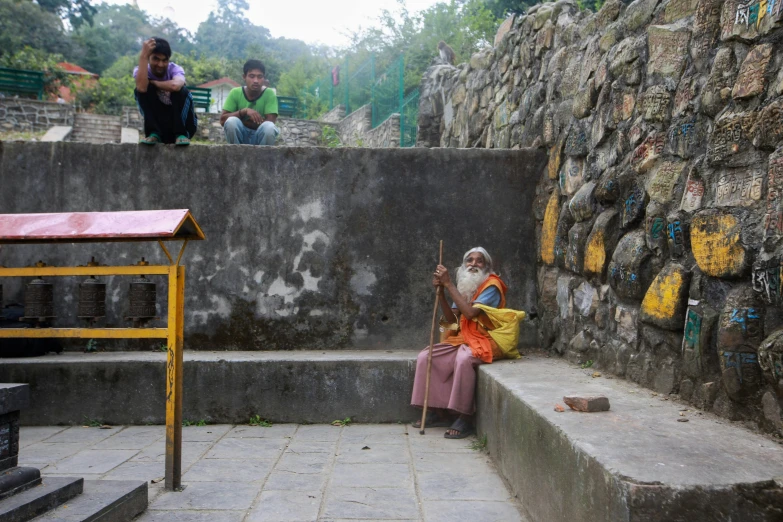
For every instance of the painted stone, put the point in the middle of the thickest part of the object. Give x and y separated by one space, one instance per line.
608 189
667 50
601 243
646 154
633 205
748 19
663 180
577 238
665 302
677 235
677 9
655 103
582 205
683 137
717 90
740 332
715 241
700 320
769 126
706 28
739 187
555 156
693 193
686 95
766 277
655 231
564 223
577 143
549 229
628 274
571 175
771 359
731 135
623 104
750 81
773 217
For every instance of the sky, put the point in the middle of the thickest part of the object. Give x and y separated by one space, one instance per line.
313 21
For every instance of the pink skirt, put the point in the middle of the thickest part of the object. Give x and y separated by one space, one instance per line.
453 378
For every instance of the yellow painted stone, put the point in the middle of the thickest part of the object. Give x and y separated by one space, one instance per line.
555 154
715 241
595 254
549 228
663 296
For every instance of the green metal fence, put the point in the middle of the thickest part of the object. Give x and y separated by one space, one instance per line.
360 85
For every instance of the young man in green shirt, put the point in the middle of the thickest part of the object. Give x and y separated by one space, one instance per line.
250 112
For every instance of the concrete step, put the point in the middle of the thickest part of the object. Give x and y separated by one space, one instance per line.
103 500
635 462
290 386
28 504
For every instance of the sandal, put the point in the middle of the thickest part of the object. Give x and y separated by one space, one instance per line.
462 428
433 421
182 141
152 139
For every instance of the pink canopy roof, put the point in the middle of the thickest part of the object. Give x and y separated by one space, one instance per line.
80 227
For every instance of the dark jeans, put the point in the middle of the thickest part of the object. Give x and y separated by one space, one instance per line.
167 121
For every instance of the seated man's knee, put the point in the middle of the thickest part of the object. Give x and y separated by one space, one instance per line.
268 131
232 123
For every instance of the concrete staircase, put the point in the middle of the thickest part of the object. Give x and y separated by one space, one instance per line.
96 128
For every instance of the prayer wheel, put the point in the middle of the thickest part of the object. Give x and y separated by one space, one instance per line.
92 299
39 300
143 295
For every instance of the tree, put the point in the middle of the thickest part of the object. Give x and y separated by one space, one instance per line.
503 8
77 12
39 60
25 24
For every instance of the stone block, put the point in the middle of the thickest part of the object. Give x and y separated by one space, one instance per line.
770 355
700 321
751 79
773 217
588 404
585 299
693 192
572 175
732 135
717 91
740 332
655 104
547 288
565 301
608 189
677 9
634 203
601 243
577 239
555 157
684 136
582 205
629 273
769 126
664 178
580 343
677 235
549 229
665 302
655 229
770 406
646 154
577 143
667 51
706 28
585 99
715 240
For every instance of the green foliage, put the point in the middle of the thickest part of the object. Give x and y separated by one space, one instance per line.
329 137
107 96
479 444
92 423
503 8
587 364
92 346
24 23
77 12
342 422
39 60
256 420
201 422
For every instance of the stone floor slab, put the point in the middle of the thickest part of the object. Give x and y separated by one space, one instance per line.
209 496
82 435
289 481
447 486
285 506
156 452
32 434
212 470
91 462
250 449
373 504
133 437
44 453
357 453
303 462
450 510
371 475
204 433
131 470
154 515
453 463
311 446
277 431
318 432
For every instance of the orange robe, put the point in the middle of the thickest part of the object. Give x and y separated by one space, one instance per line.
474 333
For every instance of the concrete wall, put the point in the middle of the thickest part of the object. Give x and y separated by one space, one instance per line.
20 114
660 225
306 247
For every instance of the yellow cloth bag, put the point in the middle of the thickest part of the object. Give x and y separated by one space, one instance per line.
506 328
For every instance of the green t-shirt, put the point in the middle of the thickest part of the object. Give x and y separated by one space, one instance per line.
265 104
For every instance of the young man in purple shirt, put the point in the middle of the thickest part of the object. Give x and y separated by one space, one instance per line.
164 102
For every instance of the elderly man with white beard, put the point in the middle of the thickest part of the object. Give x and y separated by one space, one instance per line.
454 361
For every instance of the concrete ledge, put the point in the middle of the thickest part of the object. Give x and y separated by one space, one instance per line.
219 387
635 462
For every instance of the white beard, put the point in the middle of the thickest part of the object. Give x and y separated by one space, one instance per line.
468 282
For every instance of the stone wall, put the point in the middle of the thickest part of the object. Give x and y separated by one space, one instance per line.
334 115
20 114
303 245
386 135
660 216
353 128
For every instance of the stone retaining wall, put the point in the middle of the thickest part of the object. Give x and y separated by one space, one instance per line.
660 220
335 115
20 114
387 134
353 128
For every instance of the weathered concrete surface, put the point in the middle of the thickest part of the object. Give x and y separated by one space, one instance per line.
306 248
220 387
635 462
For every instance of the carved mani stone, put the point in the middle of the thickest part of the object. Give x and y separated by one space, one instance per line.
646 154
769 126
677 235
665 301
668 49
655 103
740 332
715 240
628 271
771 359
693 193
601 243
750 81
683 137
739 187
716 91
664 179
655 231
732 135
773 218
700 321
634 204
766 279
582 205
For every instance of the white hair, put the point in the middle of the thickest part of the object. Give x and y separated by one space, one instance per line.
468 282
483 252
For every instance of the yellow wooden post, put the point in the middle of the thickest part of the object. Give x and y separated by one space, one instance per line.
174 378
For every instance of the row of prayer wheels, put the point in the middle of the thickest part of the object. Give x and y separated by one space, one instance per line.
39 300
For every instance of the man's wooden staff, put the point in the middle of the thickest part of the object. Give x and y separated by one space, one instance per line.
432 342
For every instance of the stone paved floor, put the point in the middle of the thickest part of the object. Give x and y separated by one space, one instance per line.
286 472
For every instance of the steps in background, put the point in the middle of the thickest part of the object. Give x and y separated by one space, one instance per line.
96 128
103 500
52 492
